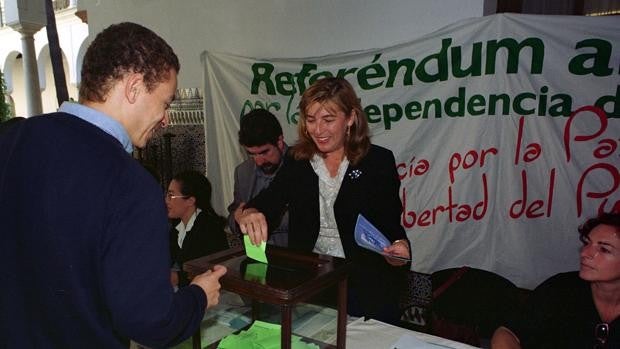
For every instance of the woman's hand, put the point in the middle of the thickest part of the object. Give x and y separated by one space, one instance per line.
398 248
253 224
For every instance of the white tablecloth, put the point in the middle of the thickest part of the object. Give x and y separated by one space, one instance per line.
373 334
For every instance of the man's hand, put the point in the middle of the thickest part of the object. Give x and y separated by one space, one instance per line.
238 212
253 223
210 283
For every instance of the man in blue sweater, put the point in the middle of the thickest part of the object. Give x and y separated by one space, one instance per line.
84 242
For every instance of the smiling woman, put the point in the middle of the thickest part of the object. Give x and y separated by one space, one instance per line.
332 175
577 309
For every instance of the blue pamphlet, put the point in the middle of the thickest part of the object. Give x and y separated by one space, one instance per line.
369 237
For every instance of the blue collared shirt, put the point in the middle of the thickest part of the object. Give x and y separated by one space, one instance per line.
101 120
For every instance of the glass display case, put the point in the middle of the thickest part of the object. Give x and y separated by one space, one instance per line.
277 292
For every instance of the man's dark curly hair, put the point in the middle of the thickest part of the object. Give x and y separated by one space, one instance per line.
120 49
259 127
611 219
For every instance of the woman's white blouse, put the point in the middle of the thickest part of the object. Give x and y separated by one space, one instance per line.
329 240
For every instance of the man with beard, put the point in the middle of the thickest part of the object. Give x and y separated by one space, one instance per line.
260 134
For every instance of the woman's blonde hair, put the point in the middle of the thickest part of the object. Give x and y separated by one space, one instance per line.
333 92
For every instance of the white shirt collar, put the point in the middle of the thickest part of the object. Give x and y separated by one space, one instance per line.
183 229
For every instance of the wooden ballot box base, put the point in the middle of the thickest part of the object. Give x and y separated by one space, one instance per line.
290 277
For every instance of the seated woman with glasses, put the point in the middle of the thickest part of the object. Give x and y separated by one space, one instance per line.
197 230
576 309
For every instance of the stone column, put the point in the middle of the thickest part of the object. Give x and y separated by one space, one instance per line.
28 17
31 74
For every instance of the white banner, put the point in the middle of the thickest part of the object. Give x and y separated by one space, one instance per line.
505 129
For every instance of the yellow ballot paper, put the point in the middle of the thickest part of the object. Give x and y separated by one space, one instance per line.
257 253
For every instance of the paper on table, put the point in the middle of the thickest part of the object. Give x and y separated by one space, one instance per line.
261 335
255 252
369 237
407 341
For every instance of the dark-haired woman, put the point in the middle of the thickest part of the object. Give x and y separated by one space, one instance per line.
575 309
197 230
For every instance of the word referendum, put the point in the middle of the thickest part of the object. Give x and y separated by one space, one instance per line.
493 57
440 66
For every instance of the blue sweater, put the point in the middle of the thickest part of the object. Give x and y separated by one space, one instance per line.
84 243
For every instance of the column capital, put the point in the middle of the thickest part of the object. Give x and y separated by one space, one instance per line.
25 16
25 28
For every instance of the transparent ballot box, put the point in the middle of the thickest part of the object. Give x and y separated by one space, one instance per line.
281 292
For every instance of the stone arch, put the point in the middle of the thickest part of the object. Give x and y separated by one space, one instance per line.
48 88
14 77
7 70
43 59
7 75
79 60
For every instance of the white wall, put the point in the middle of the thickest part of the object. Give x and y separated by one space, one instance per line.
278 28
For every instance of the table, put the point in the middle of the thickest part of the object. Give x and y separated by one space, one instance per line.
317 322
291 277
374 334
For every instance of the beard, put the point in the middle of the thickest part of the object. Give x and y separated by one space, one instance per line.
269 168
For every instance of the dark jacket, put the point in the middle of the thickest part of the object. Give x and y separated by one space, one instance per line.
560 313
207 236
84 246
370 188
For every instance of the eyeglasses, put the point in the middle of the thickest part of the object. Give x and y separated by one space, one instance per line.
170 196
601 334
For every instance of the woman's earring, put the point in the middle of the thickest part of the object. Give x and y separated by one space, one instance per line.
348 129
